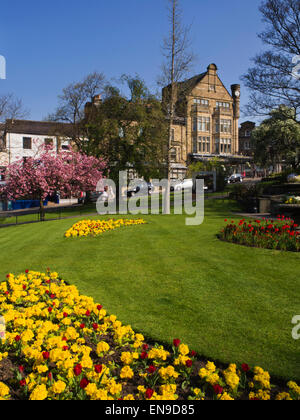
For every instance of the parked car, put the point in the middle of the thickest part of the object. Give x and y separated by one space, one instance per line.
235 178
93 197
182 185
143 187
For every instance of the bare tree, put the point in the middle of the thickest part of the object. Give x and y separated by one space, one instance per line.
273 80
11 108
73 99
178 59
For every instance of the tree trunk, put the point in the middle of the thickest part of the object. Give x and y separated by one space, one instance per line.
171 110
42 210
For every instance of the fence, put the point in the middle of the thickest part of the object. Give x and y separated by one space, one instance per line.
34 216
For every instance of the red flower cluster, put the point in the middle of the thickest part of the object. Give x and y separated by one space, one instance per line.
281 234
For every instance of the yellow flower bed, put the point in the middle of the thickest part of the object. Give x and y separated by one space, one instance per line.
97 227
59 344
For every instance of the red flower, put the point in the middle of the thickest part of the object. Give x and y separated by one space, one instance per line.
151 369
176 342
82 326
46 355
88 313
22 382
65 348
26 271
218 389
189 363
83 383
145 347
245 367
77 370
98 368
149 393
95 327
50 310
21 369
193 353
17 338
144 355
99 307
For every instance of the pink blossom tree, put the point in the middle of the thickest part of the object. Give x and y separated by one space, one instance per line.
65 172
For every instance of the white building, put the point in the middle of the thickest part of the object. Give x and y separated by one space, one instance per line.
20 139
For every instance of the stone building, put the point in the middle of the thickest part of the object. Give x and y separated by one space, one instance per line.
245 132
206 123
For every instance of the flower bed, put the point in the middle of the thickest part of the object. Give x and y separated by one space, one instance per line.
62 345
281 234
292 200
97 227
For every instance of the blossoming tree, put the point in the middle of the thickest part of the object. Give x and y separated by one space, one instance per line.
66 172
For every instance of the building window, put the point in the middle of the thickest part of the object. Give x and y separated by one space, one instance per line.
223 105
2 174
217 126
224 146
195 145
203 102
173 155
225 126
204 124
27 143
247 133
194 124
49 142
173 134
202 145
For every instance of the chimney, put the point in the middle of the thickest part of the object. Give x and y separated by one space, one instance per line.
212 69
97 100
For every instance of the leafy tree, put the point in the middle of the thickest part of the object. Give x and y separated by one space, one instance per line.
128 133
278 139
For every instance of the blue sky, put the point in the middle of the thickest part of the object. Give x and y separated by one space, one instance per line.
48 45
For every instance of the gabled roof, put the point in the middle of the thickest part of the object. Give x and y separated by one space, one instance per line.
191 83
43 128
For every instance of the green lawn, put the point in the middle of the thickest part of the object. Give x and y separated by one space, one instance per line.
228 302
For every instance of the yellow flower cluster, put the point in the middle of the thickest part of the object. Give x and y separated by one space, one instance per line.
70 348
97 227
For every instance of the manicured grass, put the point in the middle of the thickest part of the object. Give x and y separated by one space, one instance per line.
168 280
